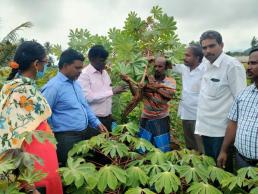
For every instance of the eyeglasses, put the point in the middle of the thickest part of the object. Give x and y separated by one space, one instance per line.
43 61
252 62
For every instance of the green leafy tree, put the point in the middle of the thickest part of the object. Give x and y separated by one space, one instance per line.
9 43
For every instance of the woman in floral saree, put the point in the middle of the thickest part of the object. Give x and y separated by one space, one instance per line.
24 109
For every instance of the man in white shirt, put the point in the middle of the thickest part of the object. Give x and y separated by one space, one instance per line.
97 87
222 81
192 71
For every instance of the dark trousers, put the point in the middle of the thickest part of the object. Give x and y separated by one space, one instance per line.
107 121
156 131
156 128
65 142
212 146
242 161
192 141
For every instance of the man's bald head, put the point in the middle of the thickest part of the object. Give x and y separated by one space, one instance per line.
160 60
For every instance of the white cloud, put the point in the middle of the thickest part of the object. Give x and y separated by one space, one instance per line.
236 20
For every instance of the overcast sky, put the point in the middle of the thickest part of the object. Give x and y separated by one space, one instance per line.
236 20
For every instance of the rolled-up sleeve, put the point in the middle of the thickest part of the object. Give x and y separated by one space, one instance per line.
233 113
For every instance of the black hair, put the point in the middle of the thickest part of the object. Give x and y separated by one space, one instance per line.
25 55
97 51
211 34
69 56
255 49
197 51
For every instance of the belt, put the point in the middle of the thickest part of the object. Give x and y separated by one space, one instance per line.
106 117
248 160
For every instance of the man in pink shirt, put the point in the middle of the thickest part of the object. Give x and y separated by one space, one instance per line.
97 87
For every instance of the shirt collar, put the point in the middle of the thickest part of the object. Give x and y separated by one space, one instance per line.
254 88
92 69
62 77
217 62
199 67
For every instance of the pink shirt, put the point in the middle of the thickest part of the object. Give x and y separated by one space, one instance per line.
97 89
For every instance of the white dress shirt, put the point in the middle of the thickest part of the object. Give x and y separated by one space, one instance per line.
221 83
190 91
97 88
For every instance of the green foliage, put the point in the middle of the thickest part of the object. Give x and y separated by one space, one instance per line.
9 43
17 167
136 176
203 188
128 47
166 181
110 176
75 173
126 171
51 72
12 188
139 190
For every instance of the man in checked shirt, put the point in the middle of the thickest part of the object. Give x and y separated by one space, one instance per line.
243 121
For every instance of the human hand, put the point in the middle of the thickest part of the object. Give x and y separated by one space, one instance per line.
125 77
36 191
151 79
119 89
102 128
222 159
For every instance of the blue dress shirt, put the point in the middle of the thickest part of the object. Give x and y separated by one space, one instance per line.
70 110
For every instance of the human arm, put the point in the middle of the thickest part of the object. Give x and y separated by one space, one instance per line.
228 140
94 96
178 68
93 120
236 79
119 89
166 89
230 134
127 79
51 95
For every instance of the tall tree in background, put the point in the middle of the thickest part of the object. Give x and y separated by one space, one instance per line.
254 42
9 43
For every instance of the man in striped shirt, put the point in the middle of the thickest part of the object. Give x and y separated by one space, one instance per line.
243 121
155 116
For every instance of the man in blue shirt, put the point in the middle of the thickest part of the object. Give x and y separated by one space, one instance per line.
71 113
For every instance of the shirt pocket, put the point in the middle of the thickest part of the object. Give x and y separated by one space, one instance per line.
212 86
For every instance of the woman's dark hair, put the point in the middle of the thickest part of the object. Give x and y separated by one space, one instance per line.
97 51
211 34
69 56
25 55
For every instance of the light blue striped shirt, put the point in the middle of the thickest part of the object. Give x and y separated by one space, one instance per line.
70 110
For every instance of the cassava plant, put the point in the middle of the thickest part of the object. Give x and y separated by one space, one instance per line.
121 168
129 47
17 167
